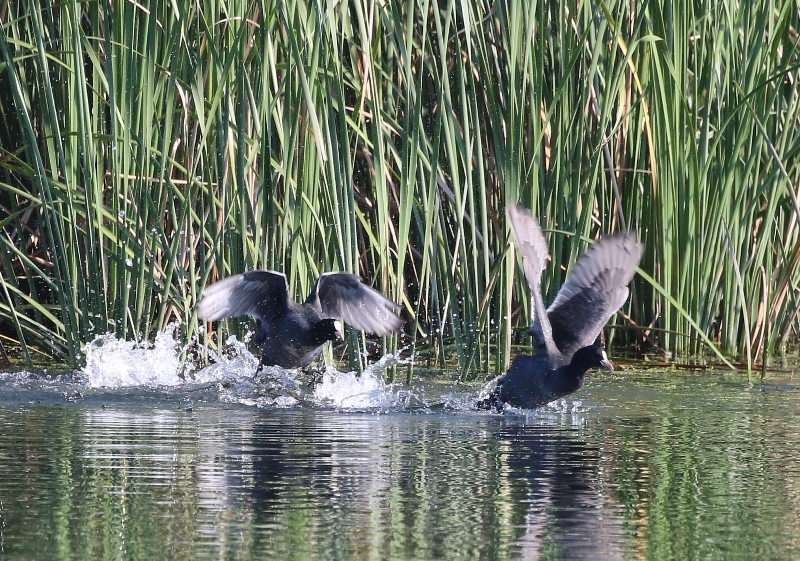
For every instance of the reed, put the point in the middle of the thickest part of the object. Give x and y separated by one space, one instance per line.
147 152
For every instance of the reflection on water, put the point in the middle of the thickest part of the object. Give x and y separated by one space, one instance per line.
653 468
569 510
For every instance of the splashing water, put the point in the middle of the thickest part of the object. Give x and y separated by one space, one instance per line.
115 363
233 377
347 390
237 362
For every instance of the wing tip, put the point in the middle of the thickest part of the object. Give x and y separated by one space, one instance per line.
529 238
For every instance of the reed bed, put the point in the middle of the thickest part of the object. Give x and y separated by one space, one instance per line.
148 151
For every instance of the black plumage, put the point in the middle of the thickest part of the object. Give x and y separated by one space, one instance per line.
291 335
565 333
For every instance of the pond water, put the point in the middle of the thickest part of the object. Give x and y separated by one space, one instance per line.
637 465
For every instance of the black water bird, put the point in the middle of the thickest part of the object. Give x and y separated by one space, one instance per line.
291 335
565 333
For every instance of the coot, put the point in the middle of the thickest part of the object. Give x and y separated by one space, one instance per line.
564 334
289 334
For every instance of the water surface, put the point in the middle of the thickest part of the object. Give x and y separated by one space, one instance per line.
637 465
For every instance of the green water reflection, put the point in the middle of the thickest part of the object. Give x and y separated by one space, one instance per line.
653 467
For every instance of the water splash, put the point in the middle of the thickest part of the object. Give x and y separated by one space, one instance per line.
561 412
368 391
233 377
116 363
461 401
235 363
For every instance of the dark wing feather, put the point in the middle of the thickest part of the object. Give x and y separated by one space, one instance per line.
596 287
344 296
261 294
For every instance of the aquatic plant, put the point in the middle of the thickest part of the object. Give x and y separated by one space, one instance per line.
147 152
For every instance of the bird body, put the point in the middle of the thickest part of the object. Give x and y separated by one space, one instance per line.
533 381
564 333
295 340
291 335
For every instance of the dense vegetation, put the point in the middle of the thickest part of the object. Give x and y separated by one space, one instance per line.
145 152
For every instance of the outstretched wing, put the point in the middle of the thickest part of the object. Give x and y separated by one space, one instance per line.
344 296
261 294
596 287
532 245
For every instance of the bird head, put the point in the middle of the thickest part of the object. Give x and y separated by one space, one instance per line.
329 330
592 356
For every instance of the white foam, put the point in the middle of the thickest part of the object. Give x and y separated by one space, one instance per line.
348 390
237 362
115 363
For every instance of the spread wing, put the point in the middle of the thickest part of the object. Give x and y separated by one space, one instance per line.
344 296
261 294
532 245
596 287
